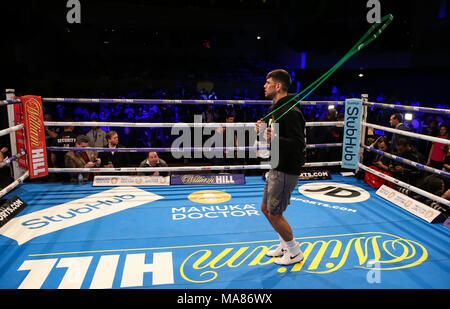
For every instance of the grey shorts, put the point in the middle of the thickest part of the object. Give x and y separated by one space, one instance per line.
278 190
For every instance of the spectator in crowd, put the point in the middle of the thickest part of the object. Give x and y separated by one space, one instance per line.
50 132
446 195
153 160
379 160
324 135
436 155
3 154
228 141
81 159
66 138
203 94
396 122
96 136
431 129
113 158
208 115
212 95
336 136
405 172
446 165
434 185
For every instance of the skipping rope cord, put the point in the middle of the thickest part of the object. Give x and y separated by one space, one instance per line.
363 42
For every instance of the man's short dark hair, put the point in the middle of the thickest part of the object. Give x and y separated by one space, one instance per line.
110 134
403 141
282 77
398 116
433 184
82 139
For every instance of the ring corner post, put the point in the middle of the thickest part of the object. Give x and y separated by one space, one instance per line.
362 139
16 170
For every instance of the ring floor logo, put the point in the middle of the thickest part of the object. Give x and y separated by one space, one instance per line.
51 219
334 192
209 197
221 263
211 211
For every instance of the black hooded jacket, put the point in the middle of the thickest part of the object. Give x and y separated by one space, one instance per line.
291 135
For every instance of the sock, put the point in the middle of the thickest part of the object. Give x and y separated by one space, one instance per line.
282 242
293 246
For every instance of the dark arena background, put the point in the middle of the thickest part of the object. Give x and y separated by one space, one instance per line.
210 58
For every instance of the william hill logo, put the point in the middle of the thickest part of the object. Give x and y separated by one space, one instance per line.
322 255
209 263
208 179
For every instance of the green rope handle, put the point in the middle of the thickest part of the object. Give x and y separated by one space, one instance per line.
363 42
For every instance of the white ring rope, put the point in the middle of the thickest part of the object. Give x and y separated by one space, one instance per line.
414 135
14 184
410 108
11 129
177 124
184 101
408 162
180 168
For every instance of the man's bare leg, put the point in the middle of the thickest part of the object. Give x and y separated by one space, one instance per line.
279 223
282 227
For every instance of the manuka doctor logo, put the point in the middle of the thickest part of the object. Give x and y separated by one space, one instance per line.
29 226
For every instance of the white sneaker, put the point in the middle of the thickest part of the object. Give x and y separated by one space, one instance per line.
288 258
278 251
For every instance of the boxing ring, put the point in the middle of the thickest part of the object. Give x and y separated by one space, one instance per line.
215 236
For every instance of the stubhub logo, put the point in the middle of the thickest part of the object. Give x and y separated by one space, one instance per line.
29 226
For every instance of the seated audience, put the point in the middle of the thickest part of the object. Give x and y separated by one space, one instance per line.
153 161
81 159
66 138
437 155
396 122
3 154
228 140
434 185
405 172
446 165
113 158
97 137
379 160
